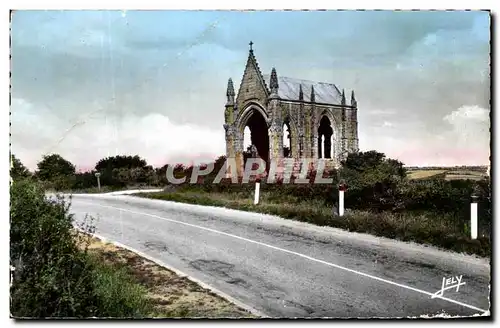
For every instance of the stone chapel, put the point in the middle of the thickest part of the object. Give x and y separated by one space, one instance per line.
315 116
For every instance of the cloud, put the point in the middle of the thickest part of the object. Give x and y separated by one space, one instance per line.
154 137
185 88
467 114
463 140
80 33
382 112
414 70
470 126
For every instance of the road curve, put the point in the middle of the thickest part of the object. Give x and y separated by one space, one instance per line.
288 269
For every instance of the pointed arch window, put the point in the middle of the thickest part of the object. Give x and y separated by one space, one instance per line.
325 138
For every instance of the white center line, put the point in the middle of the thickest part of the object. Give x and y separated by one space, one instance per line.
294 253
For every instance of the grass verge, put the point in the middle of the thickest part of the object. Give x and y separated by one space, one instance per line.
58 271
158 291
426 228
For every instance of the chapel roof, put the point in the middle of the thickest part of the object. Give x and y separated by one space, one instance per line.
325 93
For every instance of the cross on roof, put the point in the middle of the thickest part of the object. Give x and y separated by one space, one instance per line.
251 43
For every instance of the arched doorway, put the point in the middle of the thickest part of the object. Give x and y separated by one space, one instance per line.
259 136
325 136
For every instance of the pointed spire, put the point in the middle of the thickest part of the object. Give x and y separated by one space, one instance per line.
252 68
251 56
274 82
343 98
230 92
301 93
313 95
354 103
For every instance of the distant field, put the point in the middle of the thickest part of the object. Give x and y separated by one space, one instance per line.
450 174
421 174
463 175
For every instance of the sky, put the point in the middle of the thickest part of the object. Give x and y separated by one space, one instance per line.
92 84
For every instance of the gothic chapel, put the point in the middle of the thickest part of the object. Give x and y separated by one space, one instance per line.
319 122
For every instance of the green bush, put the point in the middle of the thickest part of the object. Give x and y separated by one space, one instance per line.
53 276
117 295
429 228
378 185
18 171
53 166
84 180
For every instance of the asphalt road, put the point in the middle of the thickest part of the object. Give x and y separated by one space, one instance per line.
289 269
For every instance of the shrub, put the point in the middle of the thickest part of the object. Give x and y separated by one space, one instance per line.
18 170
120 161
53 276
452 197
85 180
117 295
52 166
112 177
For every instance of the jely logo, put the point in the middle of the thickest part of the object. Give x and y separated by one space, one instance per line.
449 283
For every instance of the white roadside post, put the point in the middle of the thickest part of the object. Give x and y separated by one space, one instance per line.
342 189
473 216
257 190
98 174
250 170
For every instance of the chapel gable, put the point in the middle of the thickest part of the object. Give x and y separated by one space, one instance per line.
253 86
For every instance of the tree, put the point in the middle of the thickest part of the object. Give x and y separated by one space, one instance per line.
85 180
361 161
374 181
120 161
397 167
53 167
364 162
248 153
17 169
118 171
161 173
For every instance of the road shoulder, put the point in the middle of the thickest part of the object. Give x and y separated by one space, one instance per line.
173 295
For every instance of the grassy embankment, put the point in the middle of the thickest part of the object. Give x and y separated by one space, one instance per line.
60 271
441 230
166 294
432 223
